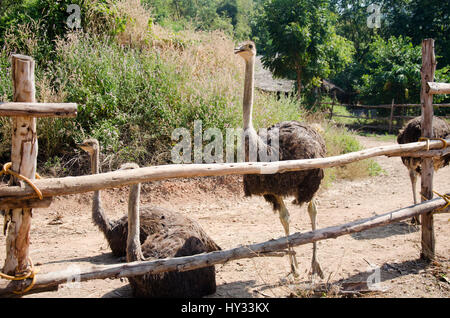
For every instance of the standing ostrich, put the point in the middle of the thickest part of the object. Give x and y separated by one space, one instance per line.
163 234
296 141
411 133
173 235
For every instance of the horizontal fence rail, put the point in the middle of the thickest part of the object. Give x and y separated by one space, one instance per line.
434 88
386 106
389 120
39 110
72 185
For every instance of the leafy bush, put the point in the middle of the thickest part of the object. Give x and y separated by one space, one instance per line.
340 141
392 72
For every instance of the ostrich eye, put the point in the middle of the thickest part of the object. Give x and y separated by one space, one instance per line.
250 46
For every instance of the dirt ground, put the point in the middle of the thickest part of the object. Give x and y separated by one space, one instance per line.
63 236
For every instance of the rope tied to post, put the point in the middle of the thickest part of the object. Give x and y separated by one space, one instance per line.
446 197
7 170
31 274
444 142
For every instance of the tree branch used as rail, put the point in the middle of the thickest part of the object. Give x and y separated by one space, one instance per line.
434 88
49 280
38 110
72 185
425 154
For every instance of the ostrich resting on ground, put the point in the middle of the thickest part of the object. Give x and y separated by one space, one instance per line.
296 141
411 133
162 234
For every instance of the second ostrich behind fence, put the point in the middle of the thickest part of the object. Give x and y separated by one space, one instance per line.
411 132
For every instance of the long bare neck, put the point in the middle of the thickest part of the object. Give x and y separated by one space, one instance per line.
249 85
134 252
98 214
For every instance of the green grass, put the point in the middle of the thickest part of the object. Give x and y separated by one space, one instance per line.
381 137
340 141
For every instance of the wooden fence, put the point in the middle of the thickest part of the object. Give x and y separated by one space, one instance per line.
21 197
390 127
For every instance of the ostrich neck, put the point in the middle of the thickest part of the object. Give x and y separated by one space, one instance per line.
134 252
248 92
95 163
98 215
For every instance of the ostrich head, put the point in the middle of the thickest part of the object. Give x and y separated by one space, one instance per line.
91 146
246 50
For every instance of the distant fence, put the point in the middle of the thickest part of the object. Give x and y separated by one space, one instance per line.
373 116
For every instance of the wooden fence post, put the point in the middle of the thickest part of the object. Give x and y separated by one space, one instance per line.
391 118
427 72
23 157
332 106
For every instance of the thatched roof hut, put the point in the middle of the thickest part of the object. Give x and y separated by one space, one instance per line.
265 81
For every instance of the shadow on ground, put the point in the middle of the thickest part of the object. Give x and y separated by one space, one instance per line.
400 228
102 259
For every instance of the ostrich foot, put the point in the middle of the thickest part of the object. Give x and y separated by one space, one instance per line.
415 220
294 267
316 269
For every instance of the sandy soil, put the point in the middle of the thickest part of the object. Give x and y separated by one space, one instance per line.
64 236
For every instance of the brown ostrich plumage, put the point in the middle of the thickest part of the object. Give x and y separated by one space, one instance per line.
162 234
296 141
174 235
412 131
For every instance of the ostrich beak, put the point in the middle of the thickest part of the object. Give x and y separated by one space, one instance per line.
239 50
84 147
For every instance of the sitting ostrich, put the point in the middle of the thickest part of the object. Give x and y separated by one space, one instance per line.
115 232
296 141
174 235
411 132
166 234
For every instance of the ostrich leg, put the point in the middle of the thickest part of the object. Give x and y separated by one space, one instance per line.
413 177
284 218
312 210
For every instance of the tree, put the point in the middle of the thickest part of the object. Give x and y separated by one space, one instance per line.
393 72
427 19
303 41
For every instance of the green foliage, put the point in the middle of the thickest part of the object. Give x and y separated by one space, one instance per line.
230 16
32 26
340 141
392 72
5 77
303 42
118 90
201 14
407 21
421 19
